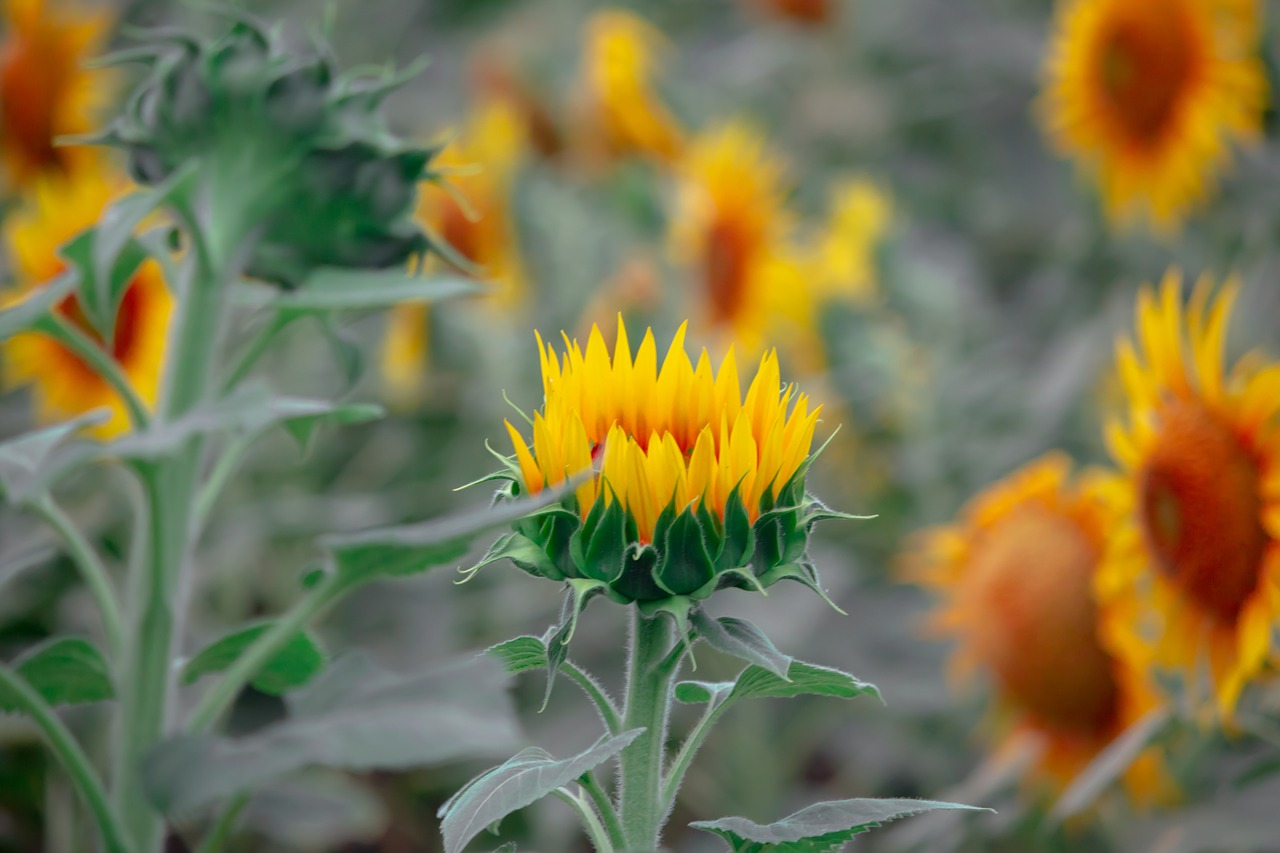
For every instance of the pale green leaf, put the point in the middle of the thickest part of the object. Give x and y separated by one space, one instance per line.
741 639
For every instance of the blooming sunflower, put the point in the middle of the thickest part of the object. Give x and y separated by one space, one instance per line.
474 217
621 112
56 210
1198 548
44 90
1148 94
691 481
1016 572
729 225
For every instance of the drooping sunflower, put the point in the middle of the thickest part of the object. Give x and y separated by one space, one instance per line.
474 217
45 92
620 112
729 226
692 485
56 210
1016 573
1150 94
1193 575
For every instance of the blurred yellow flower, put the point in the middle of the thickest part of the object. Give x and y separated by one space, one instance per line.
45 92
474 217
1016 573
1193 573
663 434
56 210
1149 94
844 257
620 111
729 225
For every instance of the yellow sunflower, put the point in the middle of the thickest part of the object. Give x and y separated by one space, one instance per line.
1016 574
1149 94
844 257
45 92
1193 573
663 434
56 210
474 217
621 114
729 226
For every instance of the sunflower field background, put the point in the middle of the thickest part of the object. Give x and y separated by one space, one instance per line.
1025 256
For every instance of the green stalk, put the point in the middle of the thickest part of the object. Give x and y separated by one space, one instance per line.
590 820
650 672
68 752
604 805
101 362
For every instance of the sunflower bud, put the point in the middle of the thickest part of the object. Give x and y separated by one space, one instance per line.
680 486
304 151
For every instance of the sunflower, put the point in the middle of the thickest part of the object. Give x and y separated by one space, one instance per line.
474 217
621 114
804 11
44 90
1194 569
844 257
56 210
1149 94
1016 573
729 225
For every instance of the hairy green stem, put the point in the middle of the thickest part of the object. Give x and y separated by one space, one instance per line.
688 749
648 707
91 568
590 820
101 362
604 805
608 712
72 757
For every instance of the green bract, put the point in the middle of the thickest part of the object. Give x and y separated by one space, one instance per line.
303 150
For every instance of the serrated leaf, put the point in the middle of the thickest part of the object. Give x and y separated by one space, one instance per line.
741 639
338 289
65 671
820 828
520 654
297 662
356 716
802 679
522 780
22 316
31 461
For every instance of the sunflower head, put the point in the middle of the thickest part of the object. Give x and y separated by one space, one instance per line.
57 209
814 12
729 221
844 258
688 486
1016 573
623 113
1195 566
45 92
1149 94
280 136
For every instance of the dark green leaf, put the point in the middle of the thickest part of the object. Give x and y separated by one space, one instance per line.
356 717
522 780
22 316
743 640
295 664
65 671
820 828
335 289
802 679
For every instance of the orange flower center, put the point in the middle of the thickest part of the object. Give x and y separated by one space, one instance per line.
1035 623
726 264
1145 63
34 74
460 232
1201 508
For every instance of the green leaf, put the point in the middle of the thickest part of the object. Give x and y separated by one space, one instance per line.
741 639
65 671
701 692
100 290
520 654
302 425
1109 764
300 660
335 289
356 716
522 780
528 555
24 315
820 828
802 679
35 459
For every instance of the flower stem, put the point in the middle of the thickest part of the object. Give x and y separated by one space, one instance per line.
604 805
72 757
101 363
590 820
648 706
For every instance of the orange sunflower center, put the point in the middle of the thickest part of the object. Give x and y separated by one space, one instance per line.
1144 66
727 262
34 75
1201 508
1031 582
459 231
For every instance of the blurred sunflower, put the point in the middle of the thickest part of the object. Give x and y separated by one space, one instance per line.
620 113
474 217
804 11
56 210
1016 572
844 256
1148 94
1198 546
45 92
729 225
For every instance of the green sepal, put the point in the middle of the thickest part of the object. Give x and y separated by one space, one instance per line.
739 542
684 565
521 550
599 547
802 572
